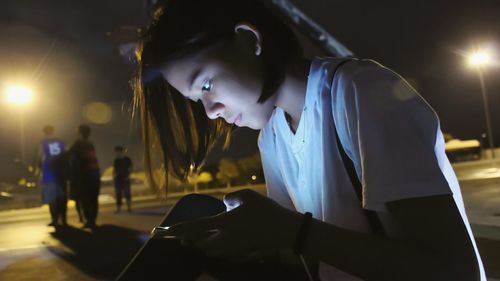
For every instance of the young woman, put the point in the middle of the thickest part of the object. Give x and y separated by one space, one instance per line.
241 66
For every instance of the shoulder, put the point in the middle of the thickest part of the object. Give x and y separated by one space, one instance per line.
344 78
348 68
367 83
89 145
59 141
75 145
360 72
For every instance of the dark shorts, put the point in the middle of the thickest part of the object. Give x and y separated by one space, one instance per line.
84 186
51 192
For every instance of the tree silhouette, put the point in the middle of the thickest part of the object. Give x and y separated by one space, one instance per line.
228 170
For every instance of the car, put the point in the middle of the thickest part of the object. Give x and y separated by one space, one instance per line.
463 150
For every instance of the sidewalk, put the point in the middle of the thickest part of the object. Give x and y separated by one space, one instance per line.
31 251
75 254
106 201
478 170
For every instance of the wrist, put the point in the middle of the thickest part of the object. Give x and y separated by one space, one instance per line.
302 234
290 230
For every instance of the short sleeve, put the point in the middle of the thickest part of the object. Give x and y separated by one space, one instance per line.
276 188
389 132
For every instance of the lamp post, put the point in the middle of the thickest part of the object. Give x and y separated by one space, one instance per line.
479 60
19 96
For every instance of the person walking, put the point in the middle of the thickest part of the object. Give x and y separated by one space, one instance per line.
121 176
85 175
73 195
53 185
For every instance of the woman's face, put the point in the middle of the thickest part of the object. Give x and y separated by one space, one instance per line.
227 79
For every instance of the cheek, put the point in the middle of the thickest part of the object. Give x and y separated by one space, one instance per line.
234 93
244 84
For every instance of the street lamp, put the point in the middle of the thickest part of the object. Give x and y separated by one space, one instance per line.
479 60
19 95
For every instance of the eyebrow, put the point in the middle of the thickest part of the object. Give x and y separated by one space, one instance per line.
193 76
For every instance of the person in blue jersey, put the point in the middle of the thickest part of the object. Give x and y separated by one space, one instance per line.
53 186
353 157
85 177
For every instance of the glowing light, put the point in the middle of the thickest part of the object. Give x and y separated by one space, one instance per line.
17 94
98 113
71 203
254 177
22 182
5 194
479 58
231 203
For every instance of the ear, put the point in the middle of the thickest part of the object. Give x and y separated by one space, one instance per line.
250 29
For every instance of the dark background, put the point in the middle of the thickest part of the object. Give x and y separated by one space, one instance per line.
70 49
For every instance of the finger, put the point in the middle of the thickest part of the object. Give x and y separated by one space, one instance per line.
161 232
191 239
215 239
237 198
217 245
196 226
222 244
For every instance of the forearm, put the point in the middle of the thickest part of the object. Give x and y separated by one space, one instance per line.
371 257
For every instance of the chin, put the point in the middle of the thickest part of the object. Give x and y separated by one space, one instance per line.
255 126
255 123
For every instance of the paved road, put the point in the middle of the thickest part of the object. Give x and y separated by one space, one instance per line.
478 170
29 250
480 184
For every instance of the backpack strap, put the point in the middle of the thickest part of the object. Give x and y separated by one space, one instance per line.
372 217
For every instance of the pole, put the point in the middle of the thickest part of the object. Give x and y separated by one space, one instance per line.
487 113
308 27
21 127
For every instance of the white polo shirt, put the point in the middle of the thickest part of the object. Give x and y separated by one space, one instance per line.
391 134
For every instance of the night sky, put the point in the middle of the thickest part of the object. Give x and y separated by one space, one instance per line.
418 39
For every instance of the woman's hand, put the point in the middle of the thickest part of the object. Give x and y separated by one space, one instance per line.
253 222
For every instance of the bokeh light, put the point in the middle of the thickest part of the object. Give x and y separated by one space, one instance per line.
17 94
479 58
98 113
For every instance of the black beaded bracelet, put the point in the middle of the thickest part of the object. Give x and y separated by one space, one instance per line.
301 237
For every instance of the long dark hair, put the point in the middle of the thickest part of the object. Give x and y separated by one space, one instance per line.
174 124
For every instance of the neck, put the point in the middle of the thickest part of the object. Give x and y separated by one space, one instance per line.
292 92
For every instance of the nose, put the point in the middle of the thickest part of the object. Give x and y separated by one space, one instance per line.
213 109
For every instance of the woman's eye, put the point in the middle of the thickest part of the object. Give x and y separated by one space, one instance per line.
207 86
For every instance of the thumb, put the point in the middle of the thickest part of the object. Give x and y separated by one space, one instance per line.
235 199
